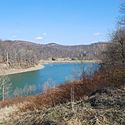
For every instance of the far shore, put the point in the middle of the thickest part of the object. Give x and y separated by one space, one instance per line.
69 61
9 71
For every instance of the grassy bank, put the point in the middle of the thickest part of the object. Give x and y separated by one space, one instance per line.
104 107
91 101
8 70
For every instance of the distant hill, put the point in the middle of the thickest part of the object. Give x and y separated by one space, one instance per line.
25 52
91 51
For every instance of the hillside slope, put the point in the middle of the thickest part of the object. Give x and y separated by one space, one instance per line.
103 107
19 51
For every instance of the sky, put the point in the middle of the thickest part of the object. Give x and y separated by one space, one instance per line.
68 22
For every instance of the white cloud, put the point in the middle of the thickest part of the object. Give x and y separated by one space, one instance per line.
39 37
44 34
14 36
97 34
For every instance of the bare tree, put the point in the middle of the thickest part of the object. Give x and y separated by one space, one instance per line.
48 85
72 98
122 18
25 91
114 56
5 87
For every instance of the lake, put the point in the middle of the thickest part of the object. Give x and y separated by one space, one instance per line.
33 82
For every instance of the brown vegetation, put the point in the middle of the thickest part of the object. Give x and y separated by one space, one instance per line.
62 94
106 107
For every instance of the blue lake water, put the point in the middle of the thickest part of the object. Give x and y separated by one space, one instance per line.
51 74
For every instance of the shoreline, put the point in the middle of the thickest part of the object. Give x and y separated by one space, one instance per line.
11 71
68 61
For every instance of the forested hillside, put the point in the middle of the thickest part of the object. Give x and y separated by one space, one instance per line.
27 54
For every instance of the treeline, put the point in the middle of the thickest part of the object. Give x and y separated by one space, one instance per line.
17 54
113 57
27 54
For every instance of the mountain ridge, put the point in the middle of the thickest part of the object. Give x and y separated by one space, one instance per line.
24 52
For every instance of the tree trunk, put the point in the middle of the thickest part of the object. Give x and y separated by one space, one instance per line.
3 93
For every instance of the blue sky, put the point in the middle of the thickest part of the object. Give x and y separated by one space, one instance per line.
61 21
